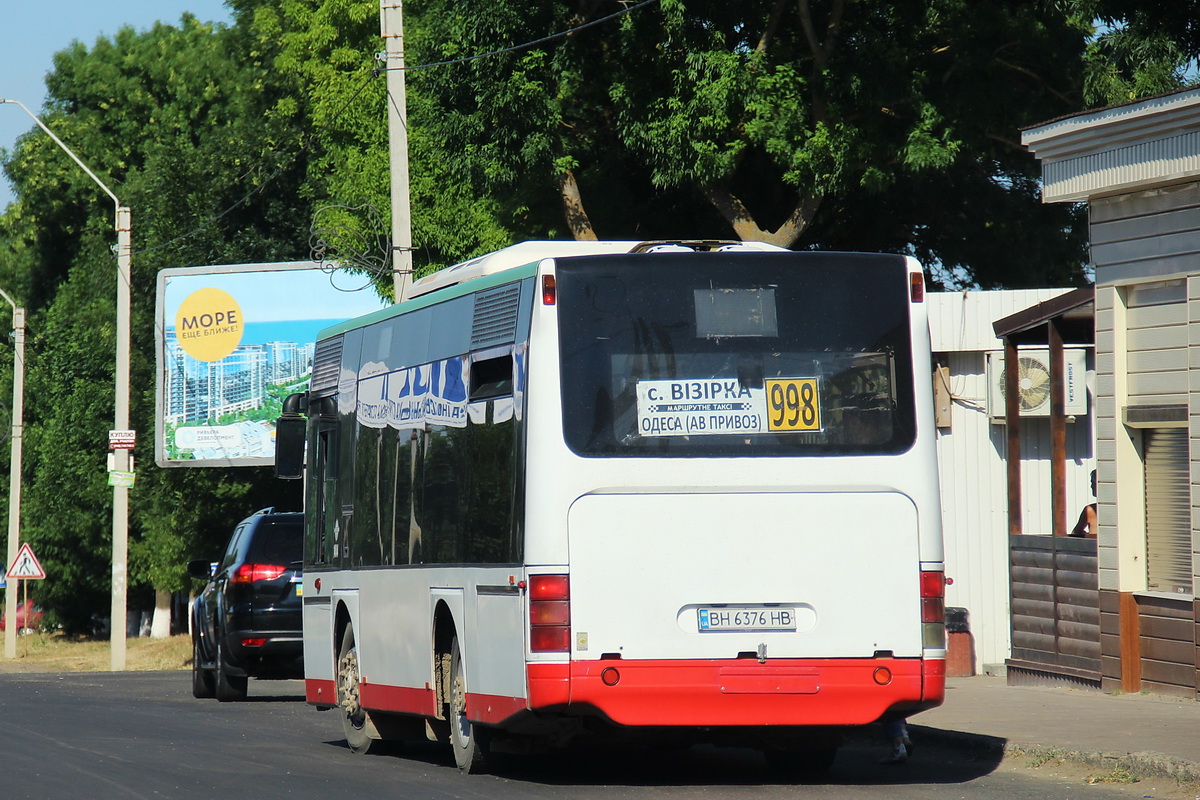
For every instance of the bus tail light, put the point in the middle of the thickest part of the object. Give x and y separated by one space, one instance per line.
549 292
916 287
933 610
251 573
549 613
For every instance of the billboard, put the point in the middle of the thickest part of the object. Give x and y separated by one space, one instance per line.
232 342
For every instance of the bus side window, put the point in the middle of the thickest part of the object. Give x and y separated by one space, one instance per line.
325 484
491 377
406 533
367 544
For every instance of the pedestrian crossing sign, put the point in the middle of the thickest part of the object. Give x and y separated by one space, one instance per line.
25 566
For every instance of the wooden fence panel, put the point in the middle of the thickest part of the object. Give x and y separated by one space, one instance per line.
1055 604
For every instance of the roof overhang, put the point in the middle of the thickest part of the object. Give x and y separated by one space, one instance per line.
1120 148
1075 313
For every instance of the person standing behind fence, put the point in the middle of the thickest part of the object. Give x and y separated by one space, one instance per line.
1086 526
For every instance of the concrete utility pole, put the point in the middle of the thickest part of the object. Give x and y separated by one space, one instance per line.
391 24
120 535
14 475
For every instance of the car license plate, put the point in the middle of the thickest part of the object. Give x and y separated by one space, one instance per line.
746 618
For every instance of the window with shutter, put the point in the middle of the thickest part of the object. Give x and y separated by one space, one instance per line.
1168 511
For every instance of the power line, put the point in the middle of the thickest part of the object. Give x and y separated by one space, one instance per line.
552 37
375 72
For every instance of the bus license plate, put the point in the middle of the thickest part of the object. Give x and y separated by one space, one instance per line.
746 618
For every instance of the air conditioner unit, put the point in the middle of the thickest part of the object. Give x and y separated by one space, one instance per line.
1033 381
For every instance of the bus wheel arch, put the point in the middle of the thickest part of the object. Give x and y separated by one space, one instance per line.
341 621
444 634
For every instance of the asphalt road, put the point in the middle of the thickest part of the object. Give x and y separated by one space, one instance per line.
142 735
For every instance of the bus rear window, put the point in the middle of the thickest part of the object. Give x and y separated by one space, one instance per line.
719 354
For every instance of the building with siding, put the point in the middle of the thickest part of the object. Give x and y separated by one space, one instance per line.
1137 166
973 461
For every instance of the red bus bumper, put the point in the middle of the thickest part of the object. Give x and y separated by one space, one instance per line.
739 692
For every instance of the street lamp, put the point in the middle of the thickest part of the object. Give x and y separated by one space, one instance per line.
14 474
120 536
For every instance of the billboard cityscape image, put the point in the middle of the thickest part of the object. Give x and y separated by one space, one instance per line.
232 342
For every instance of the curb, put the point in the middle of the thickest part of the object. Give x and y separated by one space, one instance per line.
1144 764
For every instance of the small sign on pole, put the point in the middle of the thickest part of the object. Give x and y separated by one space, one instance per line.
121 440
121 478
25 566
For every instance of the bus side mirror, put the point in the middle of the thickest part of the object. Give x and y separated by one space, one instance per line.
289 439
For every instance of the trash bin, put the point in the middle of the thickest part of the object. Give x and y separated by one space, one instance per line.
960 646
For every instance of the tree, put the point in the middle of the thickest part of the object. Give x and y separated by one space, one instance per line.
1138 49
183 123
327 48
791 121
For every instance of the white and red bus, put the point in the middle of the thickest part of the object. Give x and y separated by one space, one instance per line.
577 488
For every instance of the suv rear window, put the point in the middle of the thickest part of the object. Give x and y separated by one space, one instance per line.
276 542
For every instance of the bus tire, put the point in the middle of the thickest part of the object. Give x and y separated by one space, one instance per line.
464 736
361 737
203 684
228 687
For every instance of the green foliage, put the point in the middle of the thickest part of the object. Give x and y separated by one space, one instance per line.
327 48
1135 50
794 122
181 122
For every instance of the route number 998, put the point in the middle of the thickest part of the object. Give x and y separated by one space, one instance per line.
793 404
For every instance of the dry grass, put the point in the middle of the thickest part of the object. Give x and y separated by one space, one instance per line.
53 652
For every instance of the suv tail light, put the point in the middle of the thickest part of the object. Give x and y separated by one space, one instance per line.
549 613
933 610
250 573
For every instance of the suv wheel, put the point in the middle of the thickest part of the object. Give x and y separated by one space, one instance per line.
203 683
229 687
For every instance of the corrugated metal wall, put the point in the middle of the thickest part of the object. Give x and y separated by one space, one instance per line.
973 473
962 321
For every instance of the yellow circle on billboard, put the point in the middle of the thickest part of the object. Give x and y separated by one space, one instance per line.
209 324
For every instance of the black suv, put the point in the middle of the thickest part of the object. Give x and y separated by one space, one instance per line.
247 621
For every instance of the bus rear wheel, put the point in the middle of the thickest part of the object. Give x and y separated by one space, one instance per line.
355 722
464 736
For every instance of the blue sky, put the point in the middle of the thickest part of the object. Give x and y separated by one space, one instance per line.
32 31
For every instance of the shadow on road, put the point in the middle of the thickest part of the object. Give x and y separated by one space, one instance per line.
272 690
937 761
273 698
